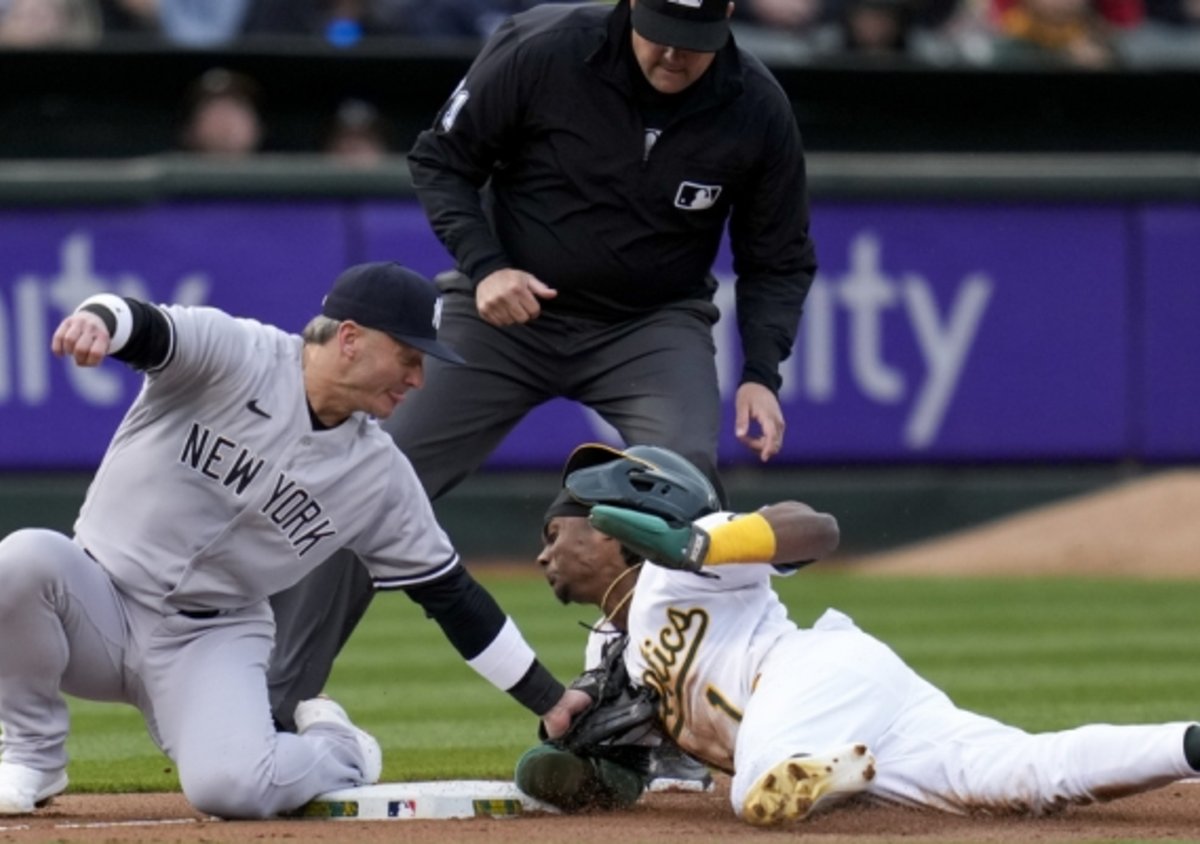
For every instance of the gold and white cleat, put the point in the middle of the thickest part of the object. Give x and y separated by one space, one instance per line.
793 789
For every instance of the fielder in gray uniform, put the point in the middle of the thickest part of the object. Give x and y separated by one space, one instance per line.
248 458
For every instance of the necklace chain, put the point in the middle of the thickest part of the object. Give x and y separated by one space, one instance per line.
625 600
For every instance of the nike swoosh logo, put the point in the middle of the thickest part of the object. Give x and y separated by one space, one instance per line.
253 407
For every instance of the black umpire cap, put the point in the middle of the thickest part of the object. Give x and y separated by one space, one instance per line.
698 25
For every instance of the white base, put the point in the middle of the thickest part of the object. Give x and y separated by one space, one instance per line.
672 785
436 800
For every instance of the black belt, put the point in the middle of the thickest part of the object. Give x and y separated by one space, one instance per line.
199 613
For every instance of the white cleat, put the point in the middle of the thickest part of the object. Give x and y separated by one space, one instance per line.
795 788
323 710
23 789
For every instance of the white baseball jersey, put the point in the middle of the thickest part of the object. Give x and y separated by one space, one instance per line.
744 688
682 629
257 497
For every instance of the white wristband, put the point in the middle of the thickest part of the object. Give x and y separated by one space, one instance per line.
122 318
505 661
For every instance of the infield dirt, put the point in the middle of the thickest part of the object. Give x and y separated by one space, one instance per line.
1149 527
1170 813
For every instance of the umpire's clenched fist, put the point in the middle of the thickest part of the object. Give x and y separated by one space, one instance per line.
510 297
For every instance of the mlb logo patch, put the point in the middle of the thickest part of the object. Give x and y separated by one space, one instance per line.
402 808
693 196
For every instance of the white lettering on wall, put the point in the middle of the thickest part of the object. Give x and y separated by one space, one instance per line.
867 293
872 299
944 349
817 336
32 351
6 387
40 303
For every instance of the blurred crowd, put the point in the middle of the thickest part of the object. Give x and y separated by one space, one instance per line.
215 23
989 33
222 117
1031 34
221 112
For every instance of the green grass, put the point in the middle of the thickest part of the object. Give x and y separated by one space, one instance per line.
1042 654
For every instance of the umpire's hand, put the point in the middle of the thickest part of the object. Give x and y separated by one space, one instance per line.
83 336
754 404
510 297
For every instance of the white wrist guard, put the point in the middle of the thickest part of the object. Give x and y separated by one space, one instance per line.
504 661
119 319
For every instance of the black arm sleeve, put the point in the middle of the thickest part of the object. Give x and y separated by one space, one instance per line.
466 612
471 620
538 690
774 256
470 136
150 340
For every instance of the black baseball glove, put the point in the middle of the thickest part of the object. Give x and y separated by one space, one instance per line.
621 723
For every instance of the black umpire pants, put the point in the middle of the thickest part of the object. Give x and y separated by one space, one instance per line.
653 378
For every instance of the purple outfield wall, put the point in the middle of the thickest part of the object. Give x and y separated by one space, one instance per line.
934 333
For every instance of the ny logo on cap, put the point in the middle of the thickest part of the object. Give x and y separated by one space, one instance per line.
437 313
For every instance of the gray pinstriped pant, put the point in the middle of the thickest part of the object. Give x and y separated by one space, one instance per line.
199 683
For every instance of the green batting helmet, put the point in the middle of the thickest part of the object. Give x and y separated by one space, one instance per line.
647 478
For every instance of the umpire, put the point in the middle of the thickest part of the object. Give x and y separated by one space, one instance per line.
615 144
582 175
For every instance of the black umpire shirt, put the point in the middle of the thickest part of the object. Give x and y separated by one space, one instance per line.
620 215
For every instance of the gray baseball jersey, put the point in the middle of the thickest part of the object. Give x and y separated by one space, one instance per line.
258 498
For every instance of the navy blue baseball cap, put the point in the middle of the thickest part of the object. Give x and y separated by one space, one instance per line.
392 299
698 25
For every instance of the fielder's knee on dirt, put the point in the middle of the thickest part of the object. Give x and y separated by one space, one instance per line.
227 791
